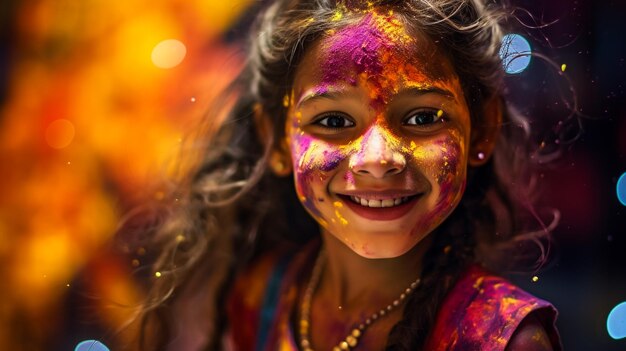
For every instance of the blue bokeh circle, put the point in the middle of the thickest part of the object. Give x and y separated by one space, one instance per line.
91 345
616 321
515 53
621 189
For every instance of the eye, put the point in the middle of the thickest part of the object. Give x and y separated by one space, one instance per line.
334 120
424 117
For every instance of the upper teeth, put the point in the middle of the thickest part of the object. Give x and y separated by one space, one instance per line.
379 203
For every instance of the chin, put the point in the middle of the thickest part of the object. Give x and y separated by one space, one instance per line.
383 245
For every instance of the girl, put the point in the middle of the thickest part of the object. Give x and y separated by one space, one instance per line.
386 121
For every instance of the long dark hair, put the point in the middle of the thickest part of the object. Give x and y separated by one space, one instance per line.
229 208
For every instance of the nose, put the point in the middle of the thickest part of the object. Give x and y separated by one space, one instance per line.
378 154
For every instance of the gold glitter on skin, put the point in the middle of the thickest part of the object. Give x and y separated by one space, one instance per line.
339 205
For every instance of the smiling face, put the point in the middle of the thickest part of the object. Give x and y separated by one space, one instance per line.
378 132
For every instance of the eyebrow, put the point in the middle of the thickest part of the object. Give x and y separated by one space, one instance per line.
313 96
336 93
427 90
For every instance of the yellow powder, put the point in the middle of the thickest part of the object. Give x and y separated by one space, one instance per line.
338 15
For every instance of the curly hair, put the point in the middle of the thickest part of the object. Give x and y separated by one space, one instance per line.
231 208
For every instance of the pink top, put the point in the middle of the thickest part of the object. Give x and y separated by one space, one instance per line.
481 312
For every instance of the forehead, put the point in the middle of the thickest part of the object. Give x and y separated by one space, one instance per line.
374 46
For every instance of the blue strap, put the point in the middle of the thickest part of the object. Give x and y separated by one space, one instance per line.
270 301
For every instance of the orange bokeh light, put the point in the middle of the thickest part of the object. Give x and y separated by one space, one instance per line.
60 133
168 53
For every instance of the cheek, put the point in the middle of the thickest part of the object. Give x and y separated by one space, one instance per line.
314 161
451 168
443 161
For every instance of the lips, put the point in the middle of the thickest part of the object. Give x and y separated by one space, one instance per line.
380 207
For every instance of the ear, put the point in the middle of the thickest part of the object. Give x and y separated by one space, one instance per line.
280 157
485 133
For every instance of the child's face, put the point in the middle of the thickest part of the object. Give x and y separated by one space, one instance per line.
378 130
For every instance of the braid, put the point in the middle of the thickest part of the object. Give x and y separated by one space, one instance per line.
449 254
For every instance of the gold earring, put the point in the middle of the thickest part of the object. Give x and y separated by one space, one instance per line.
278 165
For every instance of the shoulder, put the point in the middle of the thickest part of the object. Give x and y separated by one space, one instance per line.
485 311
531 335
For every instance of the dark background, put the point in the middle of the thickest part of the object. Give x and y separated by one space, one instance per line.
587 276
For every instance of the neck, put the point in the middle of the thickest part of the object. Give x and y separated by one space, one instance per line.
349 280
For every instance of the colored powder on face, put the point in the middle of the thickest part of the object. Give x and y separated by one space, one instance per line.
447 173
422 154
332 160
367 49
307 196
450 151
449 193
322 157
378 53
321 90
349 178
341 219
355 46
314 159
392 28
317 156
451 181
376 141
440 157
302 145
444 203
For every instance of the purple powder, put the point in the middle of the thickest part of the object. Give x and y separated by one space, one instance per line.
355 47
333 159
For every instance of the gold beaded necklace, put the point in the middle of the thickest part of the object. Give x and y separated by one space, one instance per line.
352 339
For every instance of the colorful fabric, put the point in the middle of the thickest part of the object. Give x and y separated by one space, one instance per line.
481 312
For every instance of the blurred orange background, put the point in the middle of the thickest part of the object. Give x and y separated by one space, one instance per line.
96 100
